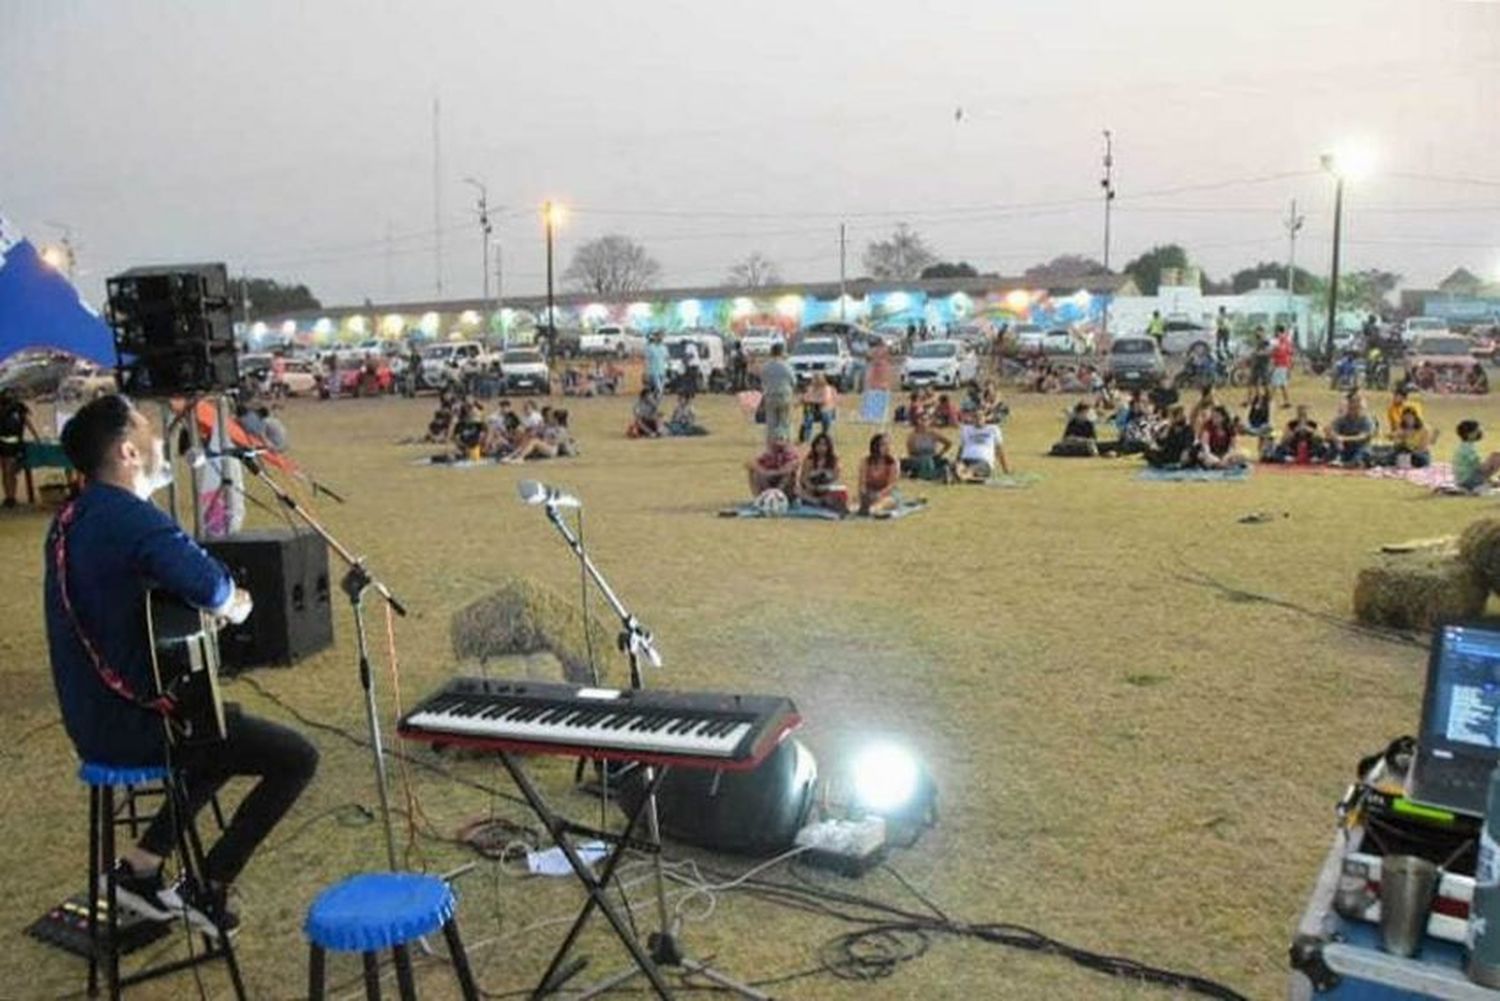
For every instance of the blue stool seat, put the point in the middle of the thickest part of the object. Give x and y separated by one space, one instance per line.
378 910
95 773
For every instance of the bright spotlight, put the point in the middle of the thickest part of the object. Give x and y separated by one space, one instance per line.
1351 163
55 258
885 778
554 214
1017 300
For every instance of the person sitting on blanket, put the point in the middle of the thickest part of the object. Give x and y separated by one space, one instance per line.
1412 440
927 453
468 431
819 479
503 432
1173 441
1403 397
1214 448
1470 472
684 420
1351 433
776 467
440 428
944 413
1302 442
1080 437
819 406
1257 420
608 378
645 419
878 474
1164 395
1136 424
550 441
980 448
1476 381
1207 400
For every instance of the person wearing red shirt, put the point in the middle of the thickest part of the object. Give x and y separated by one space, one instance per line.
1281 365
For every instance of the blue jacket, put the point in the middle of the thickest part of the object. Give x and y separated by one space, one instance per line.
117 547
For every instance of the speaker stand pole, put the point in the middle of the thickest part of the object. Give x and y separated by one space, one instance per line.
636 642
357 580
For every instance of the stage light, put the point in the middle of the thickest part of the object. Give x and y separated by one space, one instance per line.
885 778
554 214
55 257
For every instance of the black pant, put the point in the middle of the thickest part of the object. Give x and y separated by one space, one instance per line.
281 758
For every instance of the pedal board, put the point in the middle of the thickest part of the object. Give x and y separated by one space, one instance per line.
66 926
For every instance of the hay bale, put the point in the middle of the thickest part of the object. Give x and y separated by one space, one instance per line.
522 617
1479 547
1417 590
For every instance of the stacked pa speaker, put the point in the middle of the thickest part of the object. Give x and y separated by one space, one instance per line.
173 333
286 574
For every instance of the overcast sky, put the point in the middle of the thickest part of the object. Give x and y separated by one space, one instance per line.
296 139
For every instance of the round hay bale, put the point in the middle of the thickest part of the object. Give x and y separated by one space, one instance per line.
1418 590
1479 547
521 617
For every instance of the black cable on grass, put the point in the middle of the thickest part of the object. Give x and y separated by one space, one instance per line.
1193 575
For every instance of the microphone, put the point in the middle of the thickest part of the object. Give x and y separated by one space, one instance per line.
198 457
535 493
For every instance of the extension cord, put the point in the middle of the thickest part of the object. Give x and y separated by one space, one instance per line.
848 847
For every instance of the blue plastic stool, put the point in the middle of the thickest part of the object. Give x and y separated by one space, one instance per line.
383 910
102 780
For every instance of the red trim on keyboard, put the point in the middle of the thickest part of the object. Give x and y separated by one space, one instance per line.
762 748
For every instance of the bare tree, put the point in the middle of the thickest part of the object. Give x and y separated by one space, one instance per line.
755 271
610 264
901 257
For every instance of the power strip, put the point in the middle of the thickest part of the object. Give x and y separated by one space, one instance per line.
848 847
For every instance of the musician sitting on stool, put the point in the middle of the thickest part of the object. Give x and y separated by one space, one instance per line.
104 551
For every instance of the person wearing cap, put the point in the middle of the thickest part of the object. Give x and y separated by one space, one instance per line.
776 467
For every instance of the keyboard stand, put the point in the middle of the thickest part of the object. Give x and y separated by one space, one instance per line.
560 830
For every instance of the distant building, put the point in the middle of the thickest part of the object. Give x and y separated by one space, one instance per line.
1181 297
1463 298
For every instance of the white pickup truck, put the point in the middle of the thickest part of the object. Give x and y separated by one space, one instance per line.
612 339
443 363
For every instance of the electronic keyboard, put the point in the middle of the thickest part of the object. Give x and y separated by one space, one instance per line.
702 730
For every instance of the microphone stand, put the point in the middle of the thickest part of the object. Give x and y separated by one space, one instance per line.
357 580
636 641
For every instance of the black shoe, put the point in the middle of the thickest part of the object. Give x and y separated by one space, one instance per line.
141 895
201 906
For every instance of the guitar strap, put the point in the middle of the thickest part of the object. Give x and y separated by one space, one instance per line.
111 679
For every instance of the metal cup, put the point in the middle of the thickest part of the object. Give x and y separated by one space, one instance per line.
1406 887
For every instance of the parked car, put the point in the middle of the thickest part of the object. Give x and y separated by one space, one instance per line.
1417 327
708 346
525 370
757 341
1027 337
1441 361
87 382
36 375
299 377
829 355
1134 362
976 335
369 376
442 363
946 364
1060 341
612 339
1180 336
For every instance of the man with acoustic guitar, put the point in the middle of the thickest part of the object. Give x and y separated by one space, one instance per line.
105 552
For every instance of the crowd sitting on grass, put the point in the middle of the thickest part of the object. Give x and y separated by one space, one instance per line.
646 419
461 422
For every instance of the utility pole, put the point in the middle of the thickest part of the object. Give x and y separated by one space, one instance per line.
500 295
1293 225
245 303
1108 184
484 240
437 195
1331 165
843 248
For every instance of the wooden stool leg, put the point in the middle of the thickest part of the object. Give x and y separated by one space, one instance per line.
372 976
93 894
316 988
111 903
460 960
404 984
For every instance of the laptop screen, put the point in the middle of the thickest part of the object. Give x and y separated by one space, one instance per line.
1462 708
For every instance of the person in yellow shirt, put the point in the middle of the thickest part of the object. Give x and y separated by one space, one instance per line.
1401 400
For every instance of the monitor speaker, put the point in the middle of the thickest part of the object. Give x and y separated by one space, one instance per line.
173 334
756 812
286 574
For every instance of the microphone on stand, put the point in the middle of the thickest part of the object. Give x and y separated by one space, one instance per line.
534 493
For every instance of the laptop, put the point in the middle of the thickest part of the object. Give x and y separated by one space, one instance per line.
1458 744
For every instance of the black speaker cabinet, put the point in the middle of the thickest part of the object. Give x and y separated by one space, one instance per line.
755 813
287 575
173 333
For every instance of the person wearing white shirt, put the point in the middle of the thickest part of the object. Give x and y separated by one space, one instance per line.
980 448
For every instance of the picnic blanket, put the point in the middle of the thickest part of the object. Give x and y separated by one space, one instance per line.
749 510
1436 476
1013 481
1194 475
447 462
1311 469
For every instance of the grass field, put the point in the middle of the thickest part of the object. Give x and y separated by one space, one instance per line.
1127 759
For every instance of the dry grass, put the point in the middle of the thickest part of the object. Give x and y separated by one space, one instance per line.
1127 760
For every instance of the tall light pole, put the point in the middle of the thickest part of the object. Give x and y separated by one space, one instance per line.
1108 184
1330 164
552 215
1293 226
484 239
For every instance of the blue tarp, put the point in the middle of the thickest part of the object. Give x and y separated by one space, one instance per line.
39 308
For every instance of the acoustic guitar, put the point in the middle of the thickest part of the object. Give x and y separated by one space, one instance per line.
185 661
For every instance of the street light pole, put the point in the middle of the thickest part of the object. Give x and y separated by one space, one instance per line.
1330 165
548 212
1293 226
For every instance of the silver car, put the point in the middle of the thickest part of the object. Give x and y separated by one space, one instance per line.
1135 362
